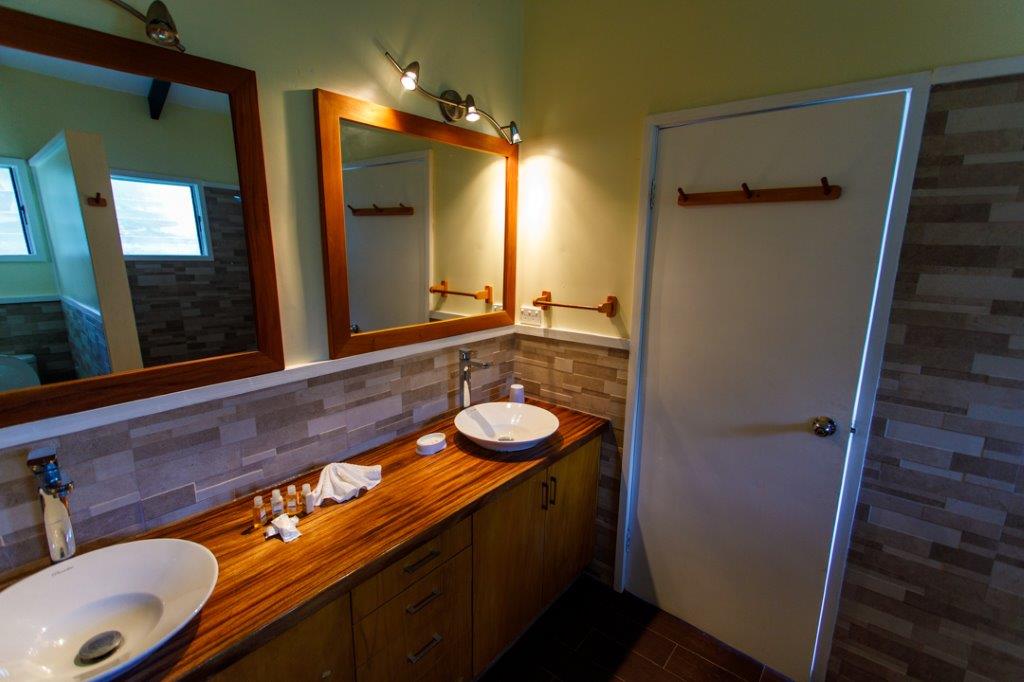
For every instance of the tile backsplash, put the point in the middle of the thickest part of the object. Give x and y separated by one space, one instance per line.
146 472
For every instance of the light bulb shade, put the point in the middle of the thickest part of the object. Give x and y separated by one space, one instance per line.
471 113
159 24
513 131
411 75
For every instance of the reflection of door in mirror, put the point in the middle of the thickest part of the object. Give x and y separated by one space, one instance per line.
388 253
420 212
152 271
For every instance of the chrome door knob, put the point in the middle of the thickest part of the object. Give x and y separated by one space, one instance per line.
823 426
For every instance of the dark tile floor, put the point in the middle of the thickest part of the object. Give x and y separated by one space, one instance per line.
593 633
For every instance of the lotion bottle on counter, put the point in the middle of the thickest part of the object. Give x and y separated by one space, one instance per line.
276 503
292 501
259 513
309 498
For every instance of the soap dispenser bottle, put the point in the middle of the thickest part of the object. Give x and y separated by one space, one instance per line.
53 492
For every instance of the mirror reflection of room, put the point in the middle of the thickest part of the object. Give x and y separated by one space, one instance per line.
122 240
424 228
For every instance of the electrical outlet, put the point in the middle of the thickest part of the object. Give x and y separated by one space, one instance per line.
497 308
530 315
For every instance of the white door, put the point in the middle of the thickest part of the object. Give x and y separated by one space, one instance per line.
757 322
388 256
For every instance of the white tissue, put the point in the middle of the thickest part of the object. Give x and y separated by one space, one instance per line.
340 481
285 526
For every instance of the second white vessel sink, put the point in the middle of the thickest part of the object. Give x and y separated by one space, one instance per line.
506 426
99 613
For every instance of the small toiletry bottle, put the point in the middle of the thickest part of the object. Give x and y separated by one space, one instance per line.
292 501
259 513
310 499
276 503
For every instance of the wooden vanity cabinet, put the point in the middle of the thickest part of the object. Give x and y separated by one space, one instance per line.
318 648
528 546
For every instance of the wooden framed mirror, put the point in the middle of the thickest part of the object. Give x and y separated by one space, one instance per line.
419 226
136 256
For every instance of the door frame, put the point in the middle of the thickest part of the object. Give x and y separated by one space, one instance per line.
915 86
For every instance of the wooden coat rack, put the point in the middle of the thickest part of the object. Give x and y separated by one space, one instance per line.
823 192
609 307
376 210
485 294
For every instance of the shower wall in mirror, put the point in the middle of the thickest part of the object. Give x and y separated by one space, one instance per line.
136 256
163 277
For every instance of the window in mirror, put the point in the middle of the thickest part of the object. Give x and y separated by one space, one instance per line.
15 237
159 276
159 218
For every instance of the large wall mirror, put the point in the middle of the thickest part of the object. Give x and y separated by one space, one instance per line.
135 251
418 226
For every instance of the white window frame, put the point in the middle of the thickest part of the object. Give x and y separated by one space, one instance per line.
198 201
32 224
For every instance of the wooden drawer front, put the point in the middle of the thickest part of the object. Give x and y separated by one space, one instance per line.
318 648
423 633
369 595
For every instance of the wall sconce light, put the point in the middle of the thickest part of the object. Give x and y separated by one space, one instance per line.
159 25
453 106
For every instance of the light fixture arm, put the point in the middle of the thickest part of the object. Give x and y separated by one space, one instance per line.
459 105
159 26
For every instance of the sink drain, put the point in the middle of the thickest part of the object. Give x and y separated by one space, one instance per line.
99 647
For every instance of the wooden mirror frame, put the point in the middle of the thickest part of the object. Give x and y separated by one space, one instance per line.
32 33
330 110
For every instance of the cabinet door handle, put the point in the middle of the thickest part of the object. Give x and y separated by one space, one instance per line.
554 490
425 649
544 497
418 606
422 561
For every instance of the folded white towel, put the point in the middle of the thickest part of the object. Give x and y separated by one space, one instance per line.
340 481
284 526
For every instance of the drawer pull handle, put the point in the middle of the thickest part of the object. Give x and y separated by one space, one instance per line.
423 561
418 606
544 495
554 490
434 641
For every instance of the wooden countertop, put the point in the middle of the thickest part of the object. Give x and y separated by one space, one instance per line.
265 586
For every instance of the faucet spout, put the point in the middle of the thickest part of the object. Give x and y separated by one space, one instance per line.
466 365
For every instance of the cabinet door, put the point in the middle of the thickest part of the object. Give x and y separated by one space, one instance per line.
569 525
318 648
508 547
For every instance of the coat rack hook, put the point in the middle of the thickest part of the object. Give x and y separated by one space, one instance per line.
746 190
682 195
827 187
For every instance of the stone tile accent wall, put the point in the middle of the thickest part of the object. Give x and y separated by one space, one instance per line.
191 309
151 471
87 339
590 379
934 588
38 328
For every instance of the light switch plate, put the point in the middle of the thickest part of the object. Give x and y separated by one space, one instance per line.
530 315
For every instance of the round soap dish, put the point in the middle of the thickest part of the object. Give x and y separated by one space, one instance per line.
431 444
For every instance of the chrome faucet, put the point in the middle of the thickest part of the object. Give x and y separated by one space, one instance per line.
466 365
54 491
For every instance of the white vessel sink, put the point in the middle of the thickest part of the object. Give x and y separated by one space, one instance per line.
146 591
506 426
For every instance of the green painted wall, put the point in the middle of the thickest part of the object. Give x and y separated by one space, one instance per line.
593 71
